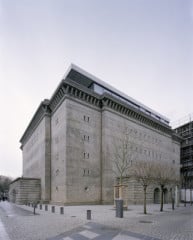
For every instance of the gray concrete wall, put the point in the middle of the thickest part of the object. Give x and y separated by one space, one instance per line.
36 156
25 190
83 150
147 144
75 164
46 166
58 154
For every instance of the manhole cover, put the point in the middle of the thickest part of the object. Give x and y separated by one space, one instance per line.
143 221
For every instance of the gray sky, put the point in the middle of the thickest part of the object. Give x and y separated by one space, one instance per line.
142 47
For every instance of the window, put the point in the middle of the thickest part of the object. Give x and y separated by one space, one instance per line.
86 172
86 118
86 138
86 155
57 172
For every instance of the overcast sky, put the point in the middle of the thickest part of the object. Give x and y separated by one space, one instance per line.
142 47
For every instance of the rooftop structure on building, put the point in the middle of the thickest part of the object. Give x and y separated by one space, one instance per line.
100 87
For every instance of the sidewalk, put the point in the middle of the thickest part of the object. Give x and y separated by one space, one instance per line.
73 224
134 220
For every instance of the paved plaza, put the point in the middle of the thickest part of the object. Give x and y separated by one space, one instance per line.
19 223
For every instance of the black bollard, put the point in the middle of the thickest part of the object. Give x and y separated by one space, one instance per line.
53 209
46 207
34 206
61 210
88 214
119 208
173 202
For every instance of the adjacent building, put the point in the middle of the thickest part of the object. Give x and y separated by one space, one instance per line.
69 143
185 129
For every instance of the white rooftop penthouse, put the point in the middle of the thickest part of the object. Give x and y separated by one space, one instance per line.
100 87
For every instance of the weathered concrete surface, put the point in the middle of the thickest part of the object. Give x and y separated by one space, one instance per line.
24 190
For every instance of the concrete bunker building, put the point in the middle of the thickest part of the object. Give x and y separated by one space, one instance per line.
68 145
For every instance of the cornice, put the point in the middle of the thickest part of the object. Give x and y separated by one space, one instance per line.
70 88
42 111
23 178
117 105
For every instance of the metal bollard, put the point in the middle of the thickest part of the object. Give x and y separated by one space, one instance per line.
34 206
40 206
53 209
119 208
88 214
46 207
61 210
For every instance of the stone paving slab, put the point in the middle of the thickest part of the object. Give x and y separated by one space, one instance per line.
95 231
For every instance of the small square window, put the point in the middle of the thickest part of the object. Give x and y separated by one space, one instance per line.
86 138
86 118
86 155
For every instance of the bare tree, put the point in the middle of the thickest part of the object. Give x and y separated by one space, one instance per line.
143 171
163 174
174 181
123 158
4 186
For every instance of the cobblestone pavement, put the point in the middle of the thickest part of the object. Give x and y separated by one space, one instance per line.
19 223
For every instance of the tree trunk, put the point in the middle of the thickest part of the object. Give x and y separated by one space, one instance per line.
144 203
172 198
120 192
177 196
120 188
162 198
